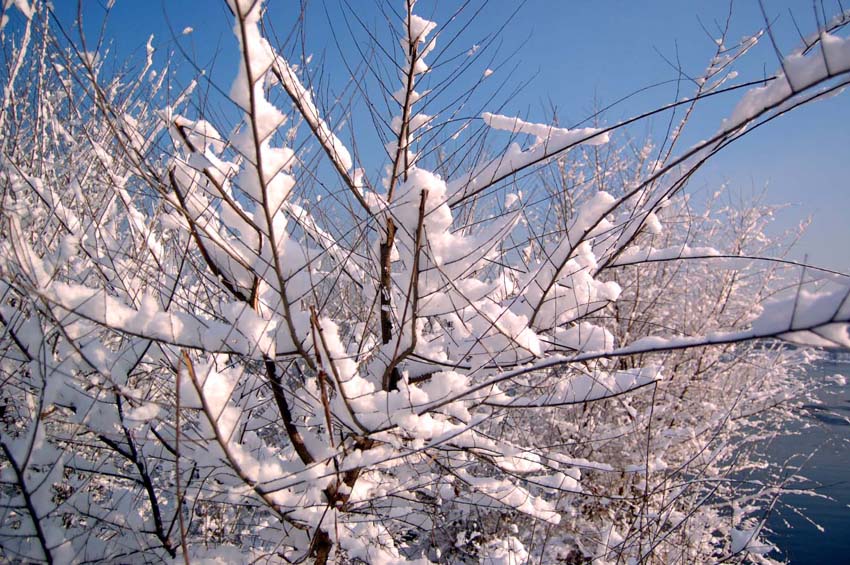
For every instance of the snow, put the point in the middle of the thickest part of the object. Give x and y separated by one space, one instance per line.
252 261
549 141
24 7
418 30
507 551
749 540
416 122
584 337
653 466
799 72
143 413
250 9
828 310
201 134
150 322
505 492
334 353
635 254
836 52
337 150
562 288
837 379
551 136
586 388
399 96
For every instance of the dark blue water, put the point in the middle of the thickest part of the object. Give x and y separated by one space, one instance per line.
816 530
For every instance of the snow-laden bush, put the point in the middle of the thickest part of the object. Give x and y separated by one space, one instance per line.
201 360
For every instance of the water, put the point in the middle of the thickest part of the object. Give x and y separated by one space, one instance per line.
796 520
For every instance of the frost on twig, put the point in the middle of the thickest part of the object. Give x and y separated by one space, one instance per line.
237 341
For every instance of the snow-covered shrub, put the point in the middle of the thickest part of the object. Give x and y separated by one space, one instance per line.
203 360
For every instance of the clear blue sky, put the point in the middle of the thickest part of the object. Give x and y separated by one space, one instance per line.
574 53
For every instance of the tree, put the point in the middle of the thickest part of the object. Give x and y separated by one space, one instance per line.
199 361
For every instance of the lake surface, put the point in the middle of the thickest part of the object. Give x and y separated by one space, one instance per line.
814 530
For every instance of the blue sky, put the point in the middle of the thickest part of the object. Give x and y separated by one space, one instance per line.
575 54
